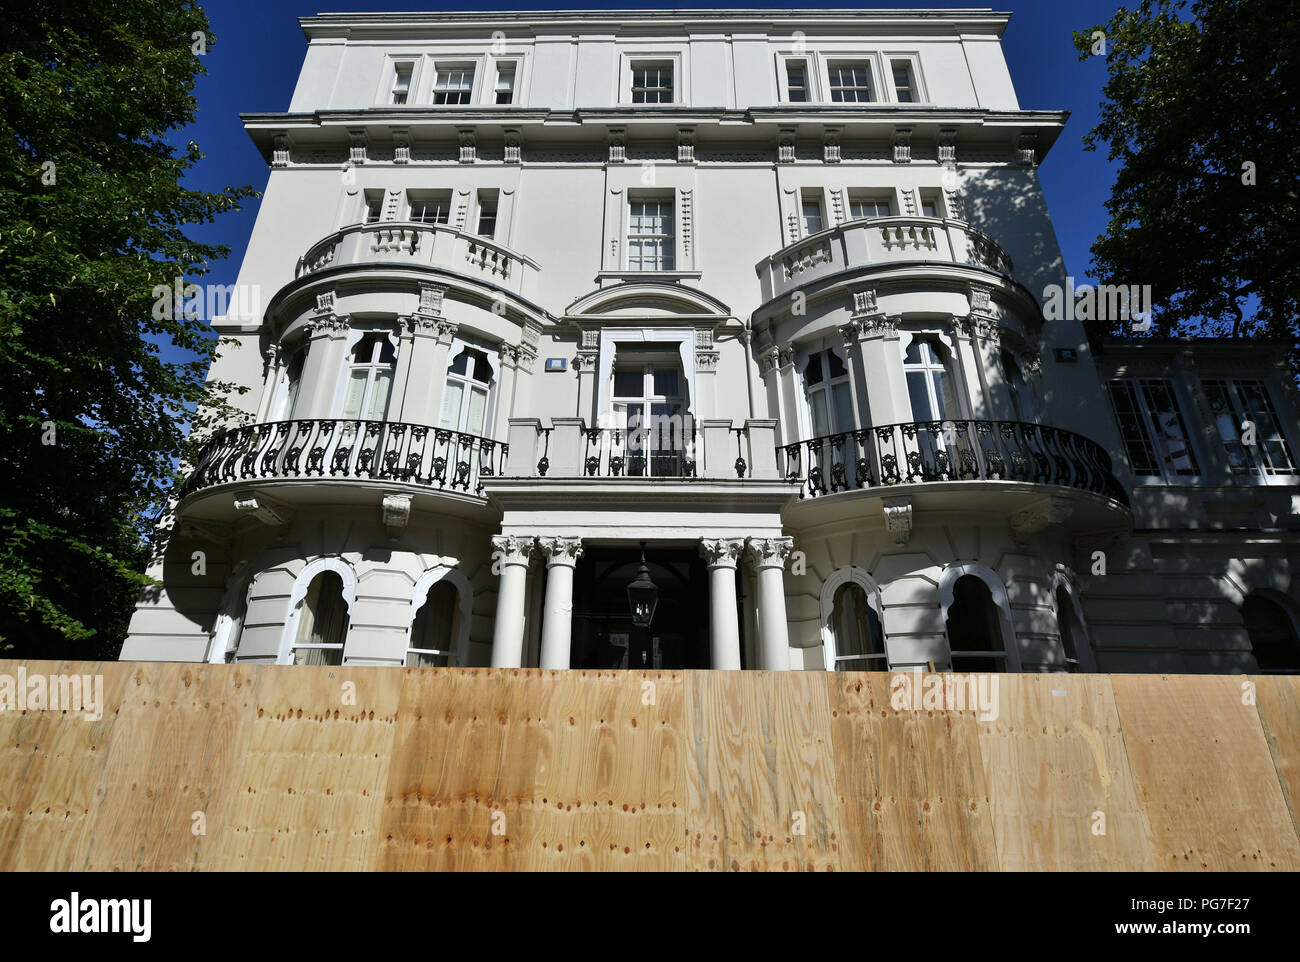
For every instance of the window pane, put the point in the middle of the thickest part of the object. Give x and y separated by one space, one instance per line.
378 406
629 383
850 83
835 364
449 414
812 217
902 70
356 392
797 75
821 420
665 383
474 420
1171 436
1272 448
1132 429
844 419
917 391
812 371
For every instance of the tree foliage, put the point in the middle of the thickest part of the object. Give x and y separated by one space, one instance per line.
1202 112
92 218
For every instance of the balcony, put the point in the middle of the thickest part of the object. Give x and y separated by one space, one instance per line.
301 452
897 455
409 244
879 241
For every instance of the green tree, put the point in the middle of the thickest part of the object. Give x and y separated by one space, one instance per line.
95 390
1202 111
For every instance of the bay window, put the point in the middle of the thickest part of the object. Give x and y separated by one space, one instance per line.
467 394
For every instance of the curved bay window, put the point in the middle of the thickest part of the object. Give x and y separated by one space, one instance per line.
370 378
467 394
830 400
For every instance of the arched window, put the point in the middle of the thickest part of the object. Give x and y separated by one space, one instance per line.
320 611
929 370
1272 634
1022 398
440 620
467 393
370 377
852 634
830 400
977 618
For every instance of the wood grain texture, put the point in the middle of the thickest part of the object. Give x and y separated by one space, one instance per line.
910 782
1204 774
1062 794
413 769
1278 699
310 794
51 776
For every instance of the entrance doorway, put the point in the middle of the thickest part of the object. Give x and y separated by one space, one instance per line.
603 633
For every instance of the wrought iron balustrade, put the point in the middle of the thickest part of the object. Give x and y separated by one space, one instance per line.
338 448
639 453
927 451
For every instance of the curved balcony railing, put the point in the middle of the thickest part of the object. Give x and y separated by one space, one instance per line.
416 244
878 240
338 449
920 451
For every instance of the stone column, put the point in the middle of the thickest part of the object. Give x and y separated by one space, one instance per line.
561 555
768 557
721 555
513 553
270 381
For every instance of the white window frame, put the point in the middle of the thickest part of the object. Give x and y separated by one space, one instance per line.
784 60
445 66
947 580
827 384
815 198
1028 393
668 241
1257 471
479 196
388 78
833 61
862 195
516 69
956 373
632 58
367 198
459 345
837 579
425 197
919 93
280 409
458 656
298 595
933 196
355 334
1154 437
1084 656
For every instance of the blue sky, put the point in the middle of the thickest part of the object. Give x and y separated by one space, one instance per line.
259 47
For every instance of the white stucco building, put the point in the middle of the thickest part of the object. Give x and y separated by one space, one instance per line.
763 290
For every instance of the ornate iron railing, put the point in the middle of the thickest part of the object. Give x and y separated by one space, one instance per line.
921 451
336 448
639 453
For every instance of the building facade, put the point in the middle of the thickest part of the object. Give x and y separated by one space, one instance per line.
761 297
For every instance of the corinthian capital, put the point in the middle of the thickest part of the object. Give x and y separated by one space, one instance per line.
561 551
769 552
512 550
721 552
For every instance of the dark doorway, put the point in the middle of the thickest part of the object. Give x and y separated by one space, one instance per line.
603 633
